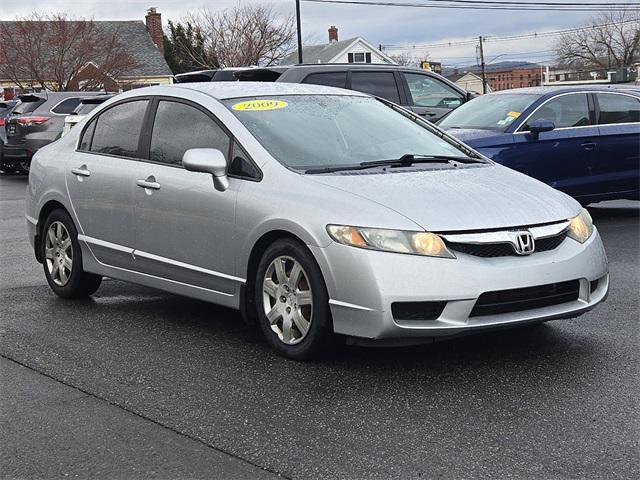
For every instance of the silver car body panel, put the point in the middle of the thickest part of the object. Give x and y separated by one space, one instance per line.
191 239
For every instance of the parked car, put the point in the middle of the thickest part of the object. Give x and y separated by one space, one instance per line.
426 93
582 140
35 122
86 105
215 75
5 109
315 211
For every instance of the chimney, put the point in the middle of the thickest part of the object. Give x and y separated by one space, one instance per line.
333 34
154 27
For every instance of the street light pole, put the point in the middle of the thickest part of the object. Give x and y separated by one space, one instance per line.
299 31
482 65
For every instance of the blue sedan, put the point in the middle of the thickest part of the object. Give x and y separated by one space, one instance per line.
582 140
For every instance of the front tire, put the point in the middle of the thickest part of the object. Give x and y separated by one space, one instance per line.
62 258
292 301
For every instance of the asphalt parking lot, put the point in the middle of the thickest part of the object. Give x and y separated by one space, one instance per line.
137 383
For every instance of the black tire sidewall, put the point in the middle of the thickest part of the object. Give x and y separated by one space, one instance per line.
74 286
321 329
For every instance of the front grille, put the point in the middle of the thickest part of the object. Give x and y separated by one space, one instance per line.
506 249
519 299
417 310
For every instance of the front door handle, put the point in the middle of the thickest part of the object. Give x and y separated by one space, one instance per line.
81 172
588 145
150 183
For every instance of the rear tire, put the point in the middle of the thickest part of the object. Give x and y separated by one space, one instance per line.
292 302
62 258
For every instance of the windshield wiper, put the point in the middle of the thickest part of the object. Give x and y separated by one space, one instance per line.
404 161
411 158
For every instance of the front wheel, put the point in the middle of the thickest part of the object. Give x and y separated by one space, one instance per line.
292 301
62 258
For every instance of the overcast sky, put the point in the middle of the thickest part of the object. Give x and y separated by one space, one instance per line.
386 25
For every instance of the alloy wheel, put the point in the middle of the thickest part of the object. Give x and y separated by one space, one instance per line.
287 299
59 253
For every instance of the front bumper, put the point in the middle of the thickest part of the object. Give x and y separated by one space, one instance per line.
363 284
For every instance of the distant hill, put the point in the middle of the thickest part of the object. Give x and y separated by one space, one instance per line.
506 65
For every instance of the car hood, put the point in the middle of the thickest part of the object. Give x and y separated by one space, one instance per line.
472 198
480 138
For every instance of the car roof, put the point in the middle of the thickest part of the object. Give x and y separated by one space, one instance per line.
227 90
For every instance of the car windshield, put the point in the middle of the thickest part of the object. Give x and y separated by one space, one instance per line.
318 131
489 112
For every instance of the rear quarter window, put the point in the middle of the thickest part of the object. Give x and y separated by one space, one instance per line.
66 106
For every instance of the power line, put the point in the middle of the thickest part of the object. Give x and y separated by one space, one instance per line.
523 36
481 5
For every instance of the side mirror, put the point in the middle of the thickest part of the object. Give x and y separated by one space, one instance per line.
541 125
470 96
208 160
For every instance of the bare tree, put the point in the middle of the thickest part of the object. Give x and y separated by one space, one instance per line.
609 40
244 35
56 52
407 60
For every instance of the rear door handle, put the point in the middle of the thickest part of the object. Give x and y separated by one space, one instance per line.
588 145
81 172
149 183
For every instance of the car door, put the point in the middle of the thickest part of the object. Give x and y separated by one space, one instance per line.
430 97
615 166
101 177
184 226
562 156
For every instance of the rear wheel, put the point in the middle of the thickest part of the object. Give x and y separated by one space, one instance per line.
62 258
292 301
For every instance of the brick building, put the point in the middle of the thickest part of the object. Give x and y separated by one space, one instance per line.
514 78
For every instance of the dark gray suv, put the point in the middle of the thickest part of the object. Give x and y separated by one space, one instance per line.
425 93
35 122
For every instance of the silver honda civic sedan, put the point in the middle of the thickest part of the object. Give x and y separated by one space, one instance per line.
319 213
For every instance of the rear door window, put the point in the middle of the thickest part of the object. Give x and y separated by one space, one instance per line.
430 92
330 79
380 84
616 108
178 127
66 106
565 111
117 131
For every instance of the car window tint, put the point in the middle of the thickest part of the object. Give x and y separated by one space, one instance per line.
85 143
179 127
429 92
564 111
618 108
240 164
66 106
118 129
330 79
27 105
380 84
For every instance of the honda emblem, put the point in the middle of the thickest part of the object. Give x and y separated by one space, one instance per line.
524 243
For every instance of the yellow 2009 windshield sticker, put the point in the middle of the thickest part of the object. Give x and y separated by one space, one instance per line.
259 105
514 114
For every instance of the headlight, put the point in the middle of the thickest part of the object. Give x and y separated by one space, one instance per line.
581 227
397 241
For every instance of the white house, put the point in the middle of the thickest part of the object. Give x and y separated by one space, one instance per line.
352 50
469 81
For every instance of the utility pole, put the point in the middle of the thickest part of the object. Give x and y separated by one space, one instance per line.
484 73
299 31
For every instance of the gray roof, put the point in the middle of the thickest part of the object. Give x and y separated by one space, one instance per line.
318 53
136 41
